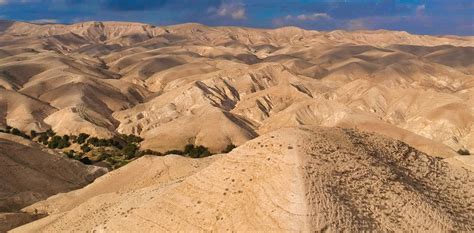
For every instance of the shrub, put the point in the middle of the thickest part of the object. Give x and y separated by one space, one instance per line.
43 138
85 148
93 141
115 143
151 152
131 138
119 164
229 148
54 142
63 144
86 160
103 156
464 151
82 138
103 142
33 134
59 142
17 132
50 133
130 150
188 148
70 154
199 152
73 138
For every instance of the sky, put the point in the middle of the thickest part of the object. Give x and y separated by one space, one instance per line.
435 17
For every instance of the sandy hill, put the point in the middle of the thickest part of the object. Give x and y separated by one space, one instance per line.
170 84
30 173
216 86
307 179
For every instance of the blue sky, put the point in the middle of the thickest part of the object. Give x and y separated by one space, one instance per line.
415 16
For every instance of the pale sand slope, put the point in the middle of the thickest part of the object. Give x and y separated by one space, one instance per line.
28 174
171 84
320 179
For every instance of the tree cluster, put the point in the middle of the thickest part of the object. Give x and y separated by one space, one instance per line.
15 131
192 151
116 151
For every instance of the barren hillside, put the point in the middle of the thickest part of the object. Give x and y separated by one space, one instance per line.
282 95
289 180
171 84
29 174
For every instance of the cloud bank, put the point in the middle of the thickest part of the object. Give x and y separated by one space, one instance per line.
415 16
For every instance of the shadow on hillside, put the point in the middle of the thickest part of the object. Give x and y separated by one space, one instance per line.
5 24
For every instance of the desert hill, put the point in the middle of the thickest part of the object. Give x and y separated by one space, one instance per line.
30 173
340 130
171 84
299 179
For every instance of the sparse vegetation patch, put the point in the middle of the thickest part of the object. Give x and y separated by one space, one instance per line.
112 152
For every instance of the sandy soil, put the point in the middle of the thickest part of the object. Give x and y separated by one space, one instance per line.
170 84
318 179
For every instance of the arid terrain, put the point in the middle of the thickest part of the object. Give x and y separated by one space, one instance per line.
288 180
30 174
339 130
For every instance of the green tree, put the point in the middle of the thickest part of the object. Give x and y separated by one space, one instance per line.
188 148
82 138
55 142
115 143
50 133
33 134
18 132
130 150
103 142
93 141
86 160
151 152
131 138
85 148
70 154
103 156
43 138
199 152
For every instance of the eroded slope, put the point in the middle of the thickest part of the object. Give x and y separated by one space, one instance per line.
305 179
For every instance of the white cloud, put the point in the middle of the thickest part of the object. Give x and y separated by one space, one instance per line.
356 24
44 21
420 8
230 9
3 2
309 17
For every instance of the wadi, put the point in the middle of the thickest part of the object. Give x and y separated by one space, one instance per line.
119 126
